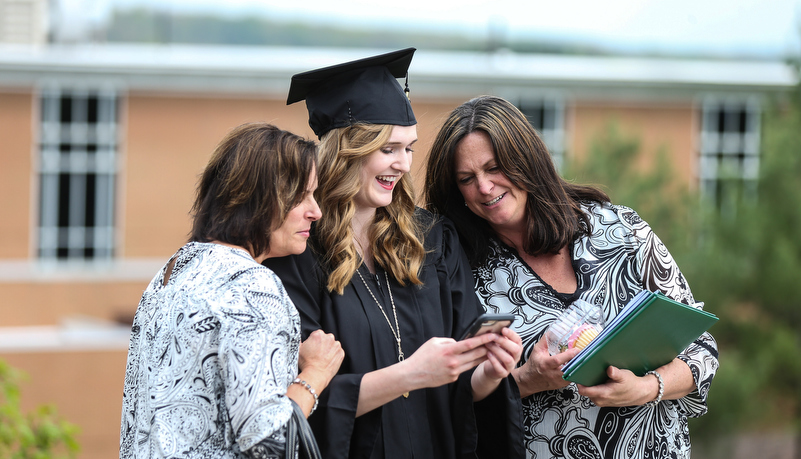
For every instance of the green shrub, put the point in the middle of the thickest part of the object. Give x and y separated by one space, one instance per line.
41 434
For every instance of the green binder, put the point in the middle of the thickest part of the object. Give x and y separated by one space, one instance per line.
648 333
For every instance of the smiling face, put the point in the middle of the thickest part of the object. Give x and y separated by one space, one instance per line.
290 238
486 190
384 167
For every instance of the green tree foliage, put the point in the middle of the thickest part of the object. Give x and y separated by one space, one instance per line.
41 434
613 163
159 26
154 26
745 264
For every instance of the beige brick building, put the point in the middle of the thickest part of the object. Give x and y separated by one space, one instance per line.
101 146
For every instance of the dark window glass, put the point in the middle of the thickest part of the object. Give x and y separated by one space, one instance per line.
91 181
91 115
64 200
66 108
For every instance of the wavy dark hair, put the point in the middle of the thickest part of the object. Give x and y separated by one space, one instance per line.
255 176
554 217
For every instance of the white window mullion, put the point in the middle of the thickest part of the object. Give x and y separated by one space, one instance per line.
104 216
48 228
77 215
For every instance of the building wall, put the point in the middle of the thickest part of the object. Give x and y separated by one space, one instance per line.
86 389
166 141
23 21
671 128
15 174
37 302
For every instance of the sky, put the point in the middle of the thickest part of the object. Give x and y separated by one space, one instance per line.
770 27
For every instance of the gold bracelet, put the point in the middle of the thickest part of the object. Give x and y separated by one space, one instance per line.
311 391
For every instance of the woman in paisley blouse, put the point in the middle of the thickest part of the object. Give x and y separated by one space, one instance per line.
215 344
536 244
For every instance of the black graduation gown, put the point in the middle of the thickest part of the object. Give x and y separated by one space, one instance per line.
437 423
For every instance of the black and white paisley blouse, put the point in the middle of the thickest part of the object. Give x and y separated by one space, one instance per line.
621 256
211 356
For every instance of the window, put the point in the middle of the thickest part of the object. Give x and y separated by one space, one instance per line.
77 171
547 115
729 149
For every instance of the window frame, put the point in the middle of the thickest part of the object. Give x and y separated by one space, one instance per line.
555 135
77 173
729 156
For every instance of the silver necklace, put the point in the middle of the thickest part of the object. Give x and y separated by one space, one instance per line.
394 313
395 333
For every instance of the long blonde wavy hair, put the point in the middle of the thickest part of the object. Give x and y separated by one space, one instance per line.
395 236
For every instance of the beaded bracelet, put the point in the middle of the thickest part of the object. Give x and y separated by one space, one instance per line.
314 393
661 389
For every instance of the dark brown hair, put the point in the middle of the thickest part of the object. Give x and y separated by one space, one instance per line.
554 217
255 176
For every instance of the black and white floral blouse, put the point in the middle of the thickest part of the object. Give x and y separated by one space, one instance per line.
211 355
621 257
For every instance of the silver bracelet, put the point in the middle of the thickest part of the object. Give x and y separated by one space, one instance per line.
314 393
661 389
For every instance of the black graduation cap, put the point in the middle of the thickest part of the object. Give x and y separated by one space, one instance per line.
364 90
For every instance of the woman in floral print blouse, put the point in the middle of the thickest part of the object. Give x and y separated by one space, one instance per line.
537 243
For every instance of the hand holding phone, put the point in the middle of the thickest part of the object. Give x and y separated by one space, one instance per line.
488 323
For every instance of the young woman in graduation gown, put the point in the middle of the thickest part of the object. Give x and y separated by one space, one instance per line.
391 282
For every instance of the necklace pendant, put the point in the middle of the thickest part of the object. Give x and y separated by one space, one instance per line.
405 395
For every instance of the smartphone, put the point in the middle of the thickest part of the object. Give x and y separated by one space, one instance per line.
486 323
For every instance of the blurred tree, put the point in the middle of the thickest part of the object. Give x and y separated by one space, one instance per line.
154 25
613 164
746 267
37 435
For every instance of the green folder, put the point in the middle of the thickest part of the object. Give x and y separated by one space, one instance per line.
650 332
